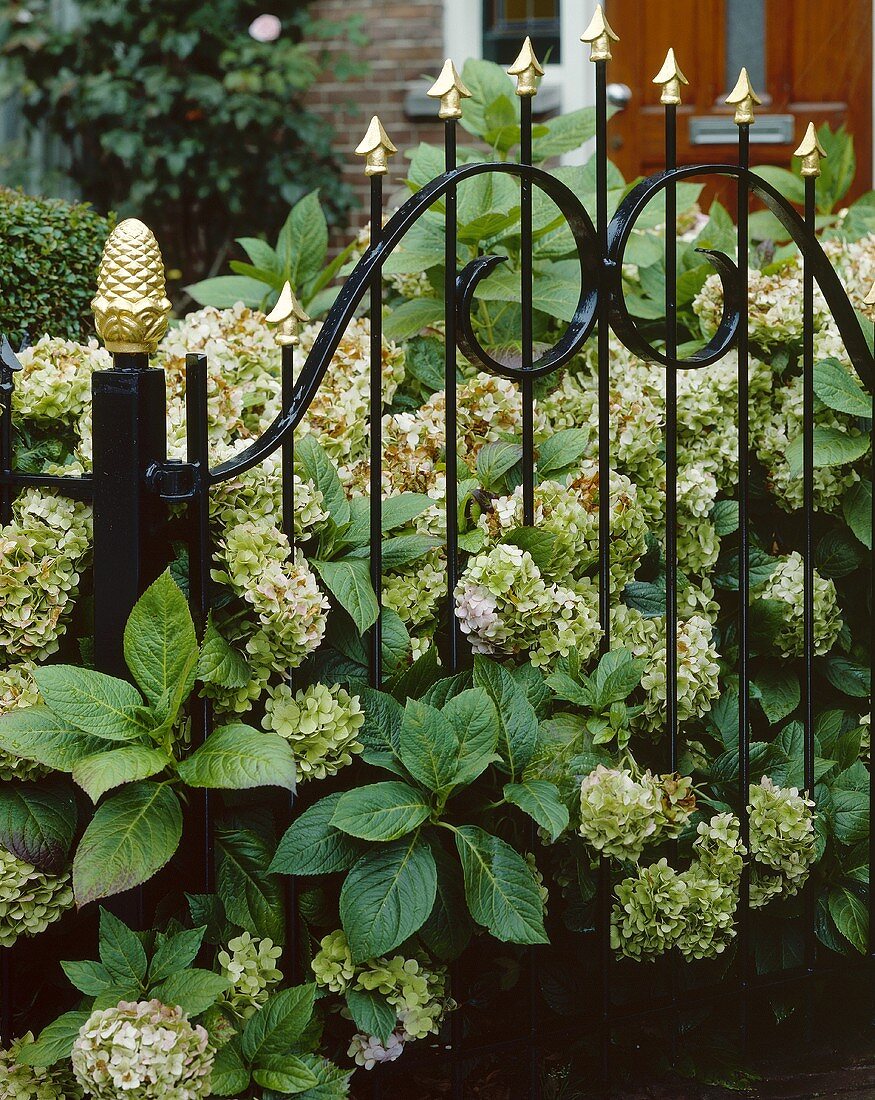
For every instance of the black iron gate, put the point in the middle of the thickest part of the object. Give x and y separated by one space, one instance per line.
133 485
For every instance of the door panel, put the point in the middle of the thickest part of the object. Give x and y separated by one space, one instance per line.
818 65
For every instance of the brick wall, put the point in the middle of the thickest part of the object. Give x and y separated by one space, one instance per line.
405 41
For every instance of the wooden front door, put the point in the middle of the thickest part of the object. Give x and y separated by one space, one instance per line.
809 60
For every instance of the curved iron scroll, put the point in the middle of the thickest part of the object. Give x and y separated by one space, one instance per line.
598 276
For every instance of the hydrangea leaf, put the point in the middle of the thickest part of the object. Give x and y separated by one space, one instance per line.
131 837
381 811
371 1013
230 1075
561 450
779 692
832 447
857 510
101 772
501 890
36 733
541 801
851 815
219 663
518 734
55 1042
121 951
387 896
253 898
402 508
278 1026
99 705
476 724
237 757
38 822
285 1074
851 917
838 390
193 990
332 1082
89 977
428 746
448 929
175 952
315 465
349 581
160 643
313 846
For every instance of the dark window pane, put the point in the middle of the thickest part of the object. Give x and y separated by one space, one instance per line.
507 22
746 42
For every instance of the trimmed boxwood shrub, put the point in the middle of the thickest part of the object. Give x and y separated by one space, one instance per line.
49 252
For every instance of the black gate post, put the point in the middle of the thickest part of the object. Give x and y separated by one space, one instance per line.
129 434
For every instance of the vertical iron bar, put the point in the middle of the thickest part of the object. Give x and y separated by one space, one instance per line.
743 566
450 428
603 901
288 518
376 435
526 394
197 447
808 556
671 440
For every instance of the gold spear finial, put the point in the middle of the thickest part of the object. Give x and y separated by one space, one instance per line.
376 147
288 315
450 90
671 78
742 98
869 300
599 34
131 307
527 68
811 152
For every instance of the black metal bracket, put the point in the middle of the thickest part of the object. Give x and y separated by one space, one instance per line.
174 481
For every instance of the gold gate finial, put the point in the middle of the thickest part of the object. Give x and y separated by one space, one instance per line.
869 300
599 34
131 306
450 90
288 315
527 68
671 78
376 147
742 98
811 152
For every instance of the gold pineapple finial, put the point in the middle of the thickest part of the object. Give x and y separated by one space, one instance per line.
376 147
671 78
450 90
131 307
742 98
288 315
527 68
811 152
599 34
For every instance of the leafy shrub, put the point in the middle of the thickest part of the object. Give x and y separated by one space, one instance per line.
49 253
173 111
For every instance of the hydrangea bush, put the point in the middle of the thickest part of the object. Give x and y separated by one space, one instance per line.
441 817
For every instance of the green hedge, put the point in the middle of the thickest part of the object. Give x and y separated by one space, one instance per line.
49 253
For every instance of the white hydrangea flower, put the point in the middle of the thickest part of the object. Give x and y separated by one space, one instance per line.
368 1051
143 1050
787 584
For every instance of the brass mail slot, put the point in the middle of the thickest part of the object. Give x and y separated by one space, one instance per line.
768 130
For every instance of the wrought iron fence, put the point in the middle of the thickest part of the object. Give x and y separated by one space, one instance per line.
133 486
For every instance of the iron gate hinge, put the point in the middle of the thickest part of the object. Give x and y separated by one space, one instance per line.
174 481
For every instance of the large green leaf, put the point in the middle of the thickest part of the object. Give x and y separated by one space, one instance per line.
160 643
36 733
541 801
193 990
411 317
225 291
448 929
230 1074
121 950
427 746
832 447
237 757
779 691
518 736
302 244
55 1042
501 890
99 705
381 811
565 133
857 510
174 952
476 725
38 821
371 1013
851 917
219 663
401 509
101 772
131 837
349 581
313 463
851 815
253 898
285 1074
276 1028
387 896
836 387
313 846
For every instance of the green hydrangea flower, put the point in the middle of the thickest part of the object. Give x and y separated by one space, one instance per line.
782 836
320 723
649 914
709 915
55 381
249 964
18 689
787 584
332 965
143 1050
30 900
415 592
718 849
20 1082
